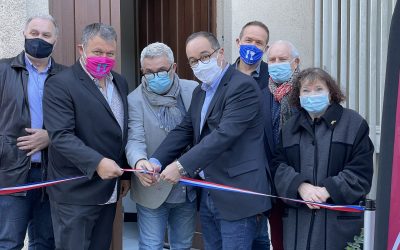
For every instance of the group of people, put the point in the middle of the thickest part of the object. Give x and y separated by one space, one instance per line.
264 126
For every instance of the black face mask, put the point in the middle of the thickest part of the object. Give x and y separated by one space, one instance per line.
38 48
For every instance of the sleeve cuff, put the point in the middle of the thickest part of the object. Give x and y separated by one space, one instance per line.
294 186
89 172
333 191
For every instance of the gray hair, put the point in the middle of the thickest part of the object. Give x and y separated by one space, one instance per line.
156 50
293 51
44 17
102 30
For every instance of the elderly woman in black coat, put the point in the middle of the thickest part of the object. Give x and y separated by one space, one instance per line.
325 155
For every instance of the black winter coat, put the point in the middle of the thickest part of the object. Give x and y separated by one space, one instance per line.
334 152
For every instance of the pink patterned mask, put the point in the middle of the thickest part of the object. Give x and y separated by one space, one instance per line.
99 66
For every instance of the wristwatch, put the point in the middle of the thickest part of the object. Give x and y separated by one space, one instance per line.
181 170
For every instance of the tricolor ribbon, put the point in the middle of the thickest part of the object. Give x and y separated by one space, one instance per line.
30 186
215 186
190 182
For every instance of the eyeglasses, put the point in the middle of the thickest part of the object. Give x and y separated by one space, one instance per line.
163 73
204 59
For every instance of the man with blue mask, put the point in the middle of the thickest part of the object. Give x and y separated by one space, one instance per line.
24 140
155 107
252 43
283 66
224 129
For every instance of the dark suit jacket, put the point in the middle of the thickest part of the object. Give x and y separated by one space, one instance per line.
82 130
230 148
263 80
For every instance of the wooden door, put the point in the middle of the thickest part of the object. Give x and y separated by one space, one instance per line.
137 23
73 15
171 22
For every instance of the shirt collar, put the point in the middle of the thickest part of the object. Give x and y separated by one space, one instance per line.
30 65
255 73
109 77
213 86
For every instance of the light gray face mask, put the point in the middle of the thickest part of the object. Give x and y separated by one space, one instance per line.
207 72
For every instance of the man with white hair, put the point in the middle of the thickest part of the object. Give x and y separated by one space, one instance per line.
283 66
23 139
157 105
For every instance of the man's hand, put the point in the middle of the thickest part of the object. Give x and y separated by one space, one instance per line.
148 177
108 169
125 186
171 174
37 140
310 192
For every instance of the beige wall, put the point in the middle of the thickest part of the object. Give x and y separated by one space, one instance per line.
286 19
13 14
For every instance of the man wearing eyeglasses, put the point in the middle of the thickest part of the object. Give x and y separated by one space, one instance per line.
156 106
224 126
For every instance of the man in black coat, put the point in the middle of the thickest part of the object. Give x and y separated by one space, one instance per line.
23 139
85 110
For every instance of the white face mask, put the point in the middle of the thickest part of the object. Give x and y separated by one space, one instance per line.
207 72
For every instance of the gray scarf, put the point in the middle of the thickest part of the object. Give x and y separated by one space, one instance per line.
165 106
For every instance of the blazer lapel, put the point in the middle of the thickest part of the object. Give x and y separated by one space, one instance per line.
220 90
186 96
91 87
198 100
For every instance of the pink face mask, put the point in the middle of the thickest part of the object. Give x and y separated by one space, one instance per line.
99 66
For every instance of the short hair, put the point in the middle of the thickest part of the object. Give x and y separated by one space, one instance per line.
105 31
209 36
156 50
44 17
311 75
255 23
293 51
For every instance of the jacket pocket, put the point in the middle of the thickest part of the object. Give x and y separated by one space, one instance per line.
349 217
10 155
242 168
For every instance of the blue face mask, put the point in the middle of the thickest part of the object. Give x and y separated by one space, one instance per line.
250 54
315 104
280 72
160 84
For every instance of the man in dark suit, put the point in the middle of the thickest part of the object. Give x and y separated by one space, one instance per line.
252 44
224 126
85 113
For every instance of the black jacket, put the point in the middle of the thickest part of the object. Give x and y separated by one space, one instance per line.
334 152
82 130
14 118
